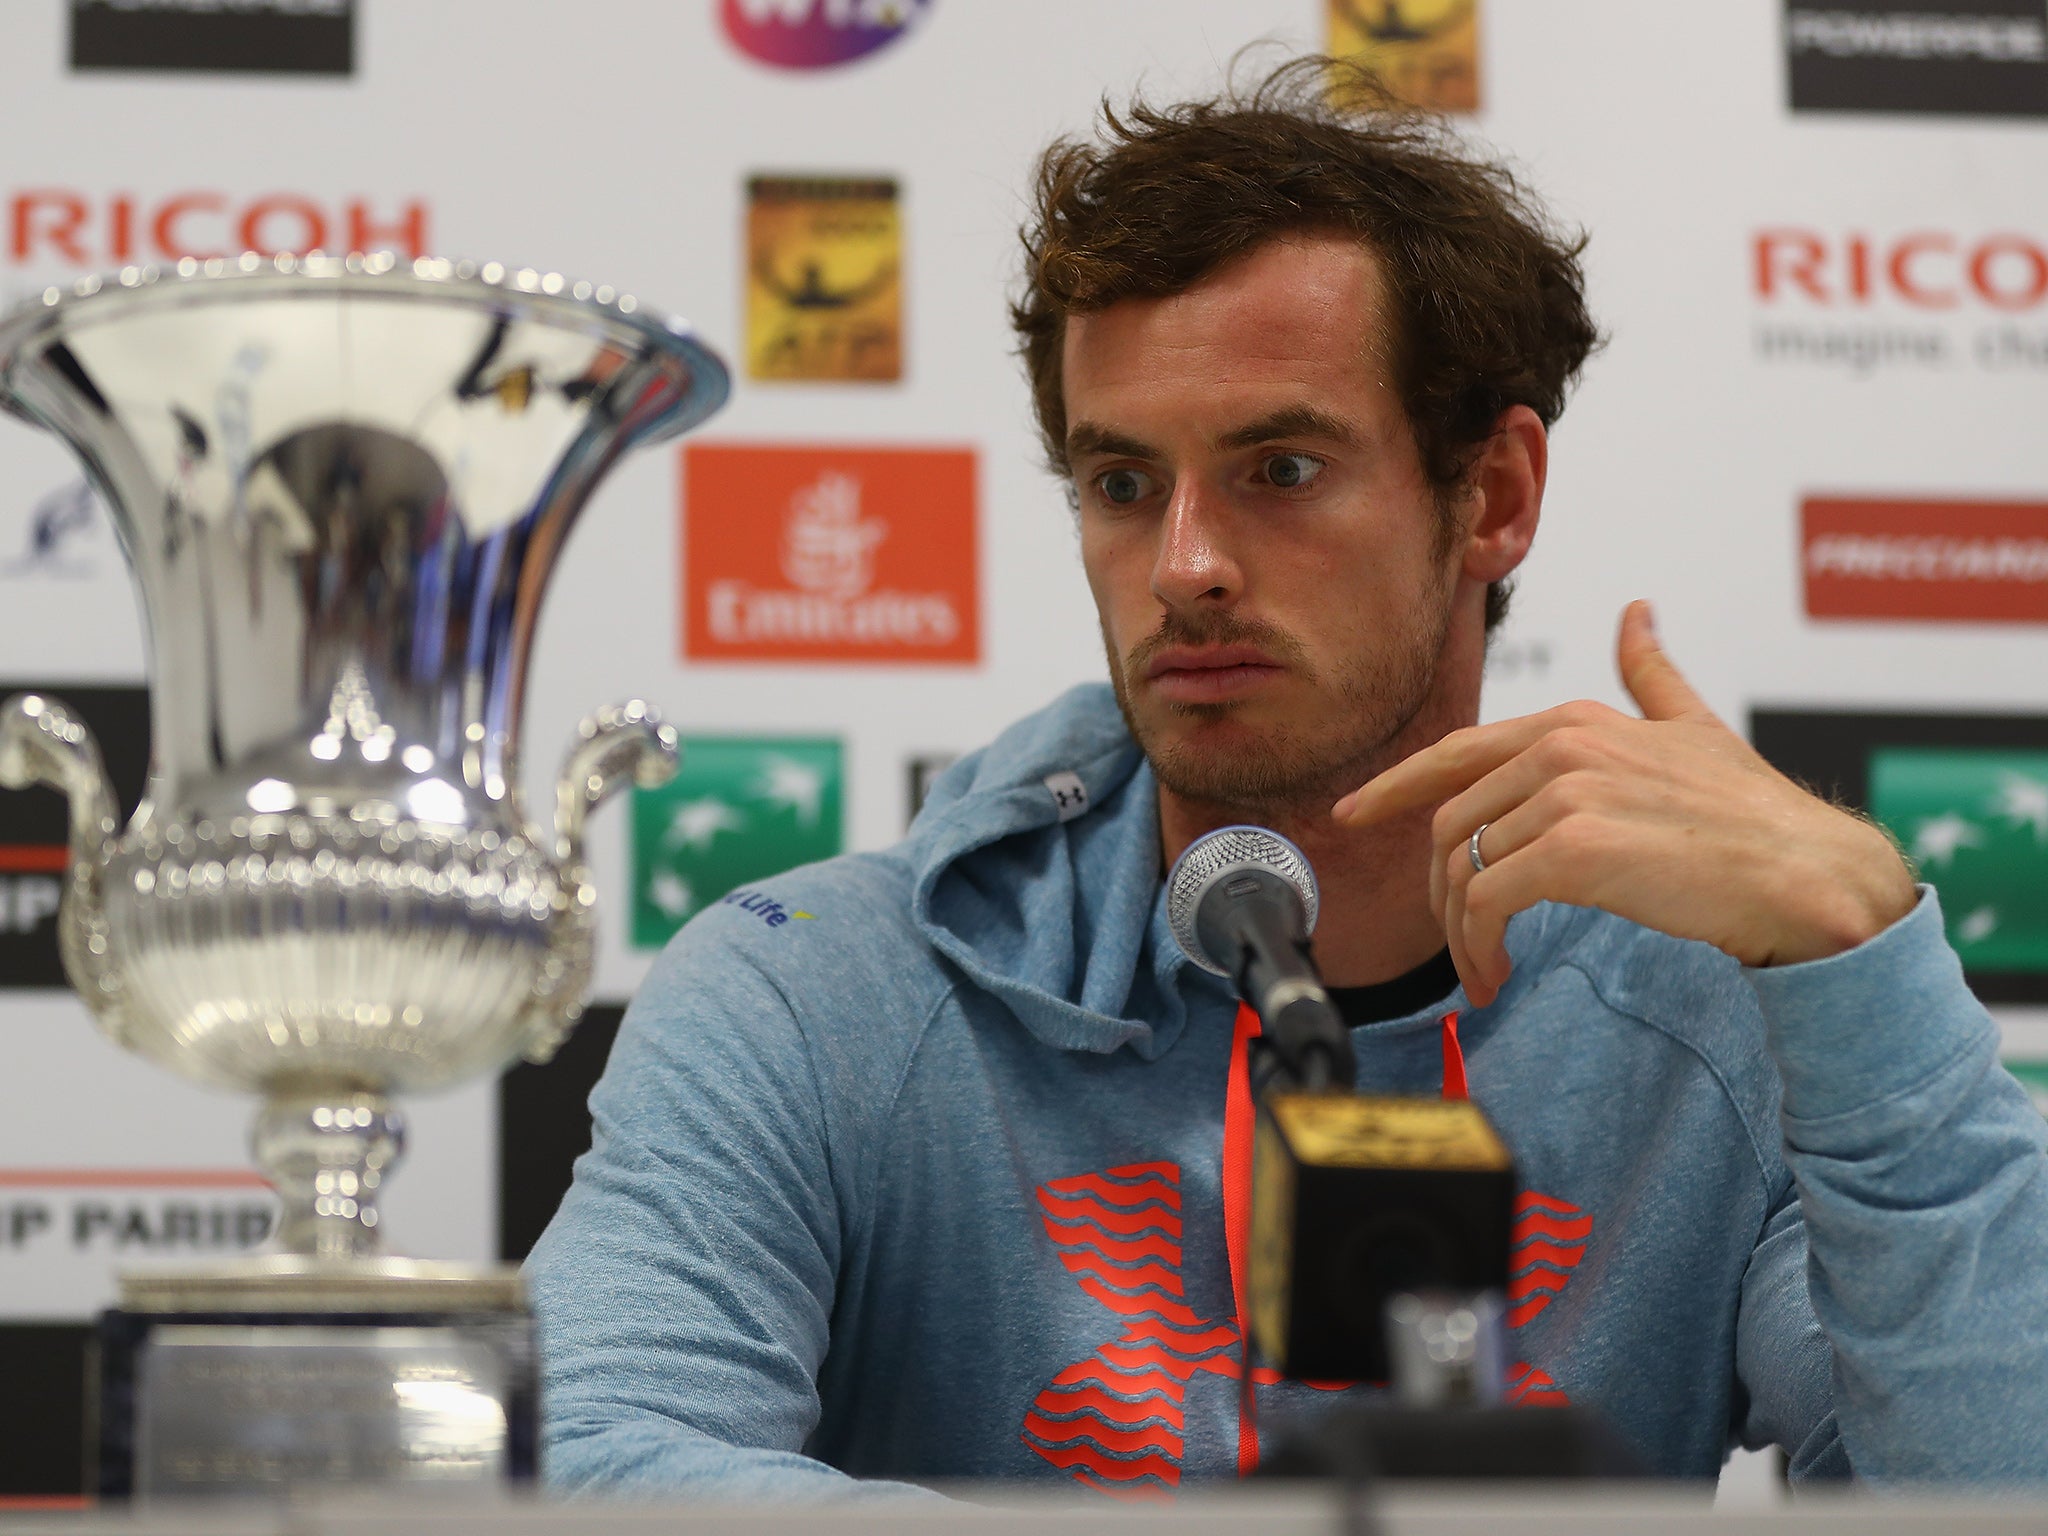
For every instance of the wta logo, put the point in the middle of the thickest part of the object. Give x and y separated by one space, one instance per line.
816 34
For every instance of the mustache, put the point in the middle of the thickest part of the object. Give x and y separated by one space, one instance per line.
1215 627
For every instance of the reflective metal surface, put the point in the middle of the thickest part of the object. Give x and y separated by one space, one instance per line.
1216 857
226 1409
341 484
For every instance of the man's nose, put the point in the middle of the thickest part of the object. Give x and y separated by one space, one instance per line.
1194 564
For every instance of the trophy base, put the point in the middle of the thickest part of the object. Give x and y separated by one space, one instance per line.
279 1372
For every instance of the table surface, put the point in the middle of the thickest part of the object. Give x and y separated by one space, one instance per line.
1526 1510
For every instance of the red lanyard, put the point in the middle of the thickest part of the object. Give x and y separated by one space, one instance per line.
1238 1121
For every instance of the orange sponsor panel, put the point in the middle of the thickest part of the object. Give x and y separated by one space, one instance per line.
809 553
1961 561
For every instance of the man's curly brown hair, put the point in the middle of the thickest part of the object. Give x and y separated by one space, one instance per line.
1485 297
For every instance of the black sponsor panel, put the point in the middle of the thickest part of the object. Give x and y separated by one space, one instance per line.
1967 58
267 37
544 1126
921 774
1967 796
42 1409
35 827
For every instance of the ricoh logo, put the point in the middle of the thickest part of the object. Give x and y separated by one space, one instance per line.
59 227
808 554
1923 298
1920 269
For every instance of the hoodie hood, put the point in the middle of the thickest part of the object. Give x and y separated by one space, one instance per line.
1036 871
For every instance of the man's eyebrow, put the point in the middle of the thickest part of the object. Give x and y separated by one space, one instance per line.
1291 421
1086 438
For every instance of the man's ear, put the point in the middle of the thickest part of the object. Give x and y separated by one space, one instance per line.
1504 495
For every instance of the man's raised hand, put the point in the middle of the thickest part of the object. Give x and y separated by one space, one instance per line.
1672 821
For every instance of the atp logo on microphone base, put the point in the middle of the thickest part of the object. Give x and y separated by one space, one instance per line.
739 811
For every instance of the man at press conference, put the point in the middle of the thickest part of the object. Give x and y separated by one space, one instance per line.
932 1185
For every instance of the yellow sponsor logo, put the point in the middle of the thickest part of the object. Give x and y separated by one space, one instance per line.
824 278
1427 51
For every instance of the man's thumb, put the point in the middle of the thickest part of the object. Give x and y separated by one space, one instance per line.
1659 690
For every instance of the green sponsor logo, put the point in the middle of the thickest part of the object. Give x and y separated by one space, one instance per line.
1976 822
740 811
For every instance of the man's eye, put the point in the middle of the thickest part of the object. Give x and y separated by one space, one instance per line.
1122 487
1291 471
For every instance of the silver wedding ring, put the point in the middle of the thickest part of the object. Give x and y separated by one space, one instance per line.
1472 849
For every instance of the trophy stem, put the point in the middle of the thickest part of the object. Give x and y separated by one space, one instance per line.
326 1151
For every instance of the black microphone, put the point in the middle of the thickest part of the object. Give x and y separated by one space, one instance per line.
1242 902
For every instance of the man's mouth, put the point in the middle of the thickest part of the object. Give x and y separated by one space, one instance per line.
1210 674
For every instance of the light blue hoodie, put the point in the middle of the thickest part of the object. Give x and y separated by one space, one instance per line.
907 1166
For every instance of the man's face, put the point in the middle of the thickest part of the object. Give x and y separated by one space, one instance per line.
1269 564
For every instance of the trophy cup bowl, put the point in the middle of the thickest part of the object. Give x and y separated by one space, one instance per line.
341 484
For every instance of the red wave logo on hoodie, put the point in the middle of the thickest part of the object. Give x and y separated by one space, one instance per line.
1114 1421
1545 1244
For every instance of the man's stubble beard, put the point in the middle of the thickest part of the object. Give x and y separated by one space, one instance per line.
1288 771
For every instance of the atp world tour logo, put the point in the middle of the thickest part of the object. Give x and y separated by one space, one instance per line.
816 34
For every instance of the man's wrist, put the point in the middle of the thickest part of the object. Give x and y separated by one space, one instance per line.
1849 902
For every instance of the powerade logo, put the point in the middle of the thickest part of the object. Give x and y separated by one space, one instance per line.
816 34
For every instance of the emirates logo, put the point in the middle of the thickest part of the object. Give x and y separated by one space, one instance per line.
829 554
827 546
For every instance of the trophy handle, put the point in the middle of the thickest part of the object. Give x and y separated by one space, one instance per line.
40 743
620 739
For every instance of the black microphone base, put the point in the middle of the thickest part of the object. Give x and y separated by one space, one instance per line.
1363 1444
1356 1200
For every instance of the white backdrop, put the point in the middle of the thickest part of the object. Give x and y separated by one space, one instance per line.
614 140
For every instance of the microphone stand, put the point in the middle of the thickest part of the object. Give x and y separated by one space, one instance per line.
1444 1333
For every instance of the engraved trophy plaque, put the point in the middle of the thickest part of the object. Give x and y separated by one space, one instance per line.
341 484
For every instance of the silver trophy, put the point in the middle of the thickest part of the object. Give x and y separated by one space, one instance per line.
341 484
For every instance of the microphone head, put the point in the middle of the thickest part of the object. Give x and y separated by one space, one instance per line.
1212 861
